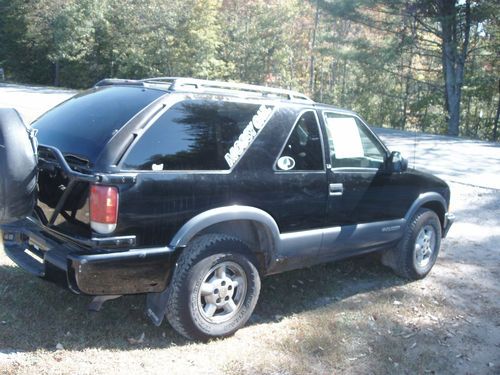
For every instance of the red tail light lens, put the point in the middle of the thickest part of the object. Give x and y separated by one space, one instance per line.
103 208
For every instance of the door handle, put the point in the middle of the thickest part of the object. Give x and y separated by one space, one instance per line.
336 189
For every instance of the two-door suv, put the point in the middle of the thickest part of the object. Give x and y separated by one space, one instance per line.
190 191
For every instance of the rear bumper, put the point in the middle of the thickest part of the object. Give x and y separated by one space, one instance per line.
84 270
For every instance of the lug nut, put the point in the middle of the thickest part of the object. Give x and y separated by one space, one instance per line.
223 283
227 298
218 300
229 287
216 291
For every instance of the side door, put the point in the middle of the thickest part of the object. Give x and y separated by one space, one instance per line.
364 201
299 178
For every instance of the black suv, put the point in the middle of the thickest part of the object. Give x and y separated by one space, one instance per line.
190 191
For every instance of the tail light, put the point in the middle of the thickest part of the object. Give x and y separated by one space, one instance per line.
103 208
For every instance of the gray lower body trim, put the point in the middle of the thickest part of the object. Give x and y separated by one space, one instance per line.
305 248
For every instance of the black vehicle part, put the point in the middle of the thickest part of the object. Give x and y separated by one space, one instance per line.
214 289
18 167
418 250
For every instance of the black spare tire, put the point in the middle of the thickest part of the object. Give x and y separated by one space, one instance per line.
18 167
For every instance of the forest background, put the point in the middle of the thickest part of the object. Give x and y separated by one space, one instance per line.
430 66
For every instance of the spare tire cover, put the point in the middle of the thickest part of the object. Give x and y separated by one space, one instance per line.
18 167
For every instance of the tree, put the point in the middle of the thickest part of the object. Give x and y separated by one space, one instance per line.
455 22
443 23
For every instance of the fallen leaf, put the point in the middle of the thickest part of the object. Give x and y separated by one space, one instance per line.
409 335
140 340
59 346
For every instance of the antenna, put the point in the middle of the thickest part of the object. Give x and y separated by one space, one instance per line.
415 150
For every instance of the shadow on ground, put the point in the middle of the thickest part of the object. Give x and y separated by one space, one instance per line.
38 314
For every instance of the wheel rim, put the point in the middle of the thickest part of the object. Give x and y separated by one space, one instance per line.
425 245
222 292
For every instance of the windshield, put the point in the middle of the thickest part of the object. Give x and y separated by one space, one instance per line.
83 125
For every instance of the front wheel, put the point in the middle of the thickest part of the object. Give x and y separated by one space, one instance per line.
417 252
214 288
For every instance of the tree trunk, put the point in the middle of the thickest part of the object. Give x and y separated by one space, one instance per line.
313 45
57 69
453 59
342 92
495 125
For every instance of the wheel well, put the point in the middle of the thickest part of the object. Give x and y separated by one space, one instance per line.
437 208
254 234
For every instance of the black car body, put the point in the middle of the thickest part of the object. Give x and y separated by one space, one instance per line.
131 172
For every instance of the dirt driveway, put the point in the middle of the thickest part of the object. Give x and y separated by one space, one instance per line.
350 317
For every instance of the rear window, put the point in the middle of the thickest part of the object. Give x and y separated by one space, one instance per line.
198 135
83 125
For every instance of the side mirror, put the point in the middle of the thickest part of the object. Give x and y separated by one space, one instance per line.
396 163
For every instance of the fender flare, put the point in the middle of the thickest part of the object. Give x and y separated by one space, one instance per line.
423 199
220 215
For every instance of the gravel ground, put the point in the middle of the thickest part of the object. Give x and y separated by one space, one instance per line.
31 101
471 162
361 319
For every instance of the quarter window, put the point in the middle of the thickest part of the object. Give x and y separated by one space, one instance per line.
198 135
303 150
351 144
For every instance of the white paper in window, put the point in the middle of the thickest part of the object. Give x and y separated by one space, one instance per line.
345 136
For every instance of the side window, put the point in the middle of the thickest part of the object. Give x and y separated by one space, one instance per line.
351 145
198 135
303 149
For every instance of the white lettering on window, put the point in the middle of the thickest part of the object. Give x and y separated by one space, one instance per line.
248 135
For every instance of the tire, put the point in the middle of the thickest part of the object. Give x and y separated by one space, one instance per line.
214 288
417 252
18 167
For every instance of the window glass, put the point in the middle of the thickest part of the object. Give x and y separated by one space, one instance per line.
303 149
198 135
351 145
84 124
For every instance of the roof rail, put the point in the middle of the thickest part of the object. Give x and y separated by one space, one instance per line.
178 83
118 81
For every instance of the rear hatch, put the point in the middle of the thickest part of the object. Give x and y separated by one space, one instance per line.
80 128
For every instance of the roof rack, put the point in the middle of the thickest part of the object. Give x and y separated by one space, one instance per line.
180 84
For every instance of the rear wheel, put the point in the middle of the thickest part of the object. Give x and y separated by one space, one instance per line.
417 252
214 288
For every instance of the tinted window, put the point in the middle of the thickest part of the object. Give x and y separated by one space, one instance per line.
351 144
84 124
303 149
198 135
